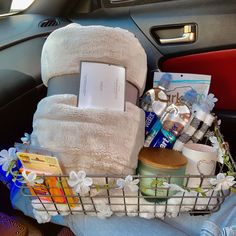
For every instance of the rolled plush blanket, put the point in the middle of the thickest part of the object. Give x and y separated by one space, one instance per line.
65 48
99 142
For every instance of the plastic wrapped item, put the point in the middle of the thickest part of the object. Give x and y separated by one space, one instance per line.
154 103
201 111
174 120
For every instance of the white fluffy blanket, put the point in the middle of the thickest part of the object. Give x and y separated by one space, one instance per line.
66 47
98 142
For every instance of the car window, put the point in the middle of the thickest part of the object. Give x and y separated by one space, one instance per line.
12 7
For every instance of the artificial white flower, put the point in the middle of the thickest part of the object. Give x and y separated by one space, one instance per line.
41 216
26 138
31 178
209 134
217 146
79 182
210 101
222 182
174 187
6 158
128 184
104 210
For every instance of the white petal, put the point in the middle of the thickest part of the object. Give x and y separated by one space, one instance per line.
214 140
129 178
73 175
72 183
133 188
73 179
77 188
27 135
175 187
39 181
88 181
225 186
210 95
220 156
220 176
12 153
5 166
81 174
120 183
24 139
218 187
24 174
230 178
213 181
31 176
84 189
231 183
165 184
4 153
2 160
136 181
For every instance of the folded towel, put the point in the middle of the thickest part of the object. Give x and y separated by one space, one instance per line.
98 142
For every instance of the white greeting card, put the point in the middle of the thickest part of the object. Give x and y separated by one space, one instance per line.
102 86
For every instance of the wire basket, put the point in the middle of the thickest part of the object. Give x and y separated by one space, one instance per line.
122 203
105 197
172 203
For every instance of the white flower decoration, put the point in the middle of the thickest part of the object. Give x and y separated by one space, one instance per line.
209 134
104 210
31 178
222 182
217 146
174 187
79 182
26 139
210 101
128 184
6 158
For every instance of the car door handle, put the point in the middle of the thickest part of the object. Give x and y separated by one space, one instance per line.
189 35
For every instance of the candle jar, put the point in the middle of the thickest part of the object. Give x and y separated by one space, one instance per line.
158 165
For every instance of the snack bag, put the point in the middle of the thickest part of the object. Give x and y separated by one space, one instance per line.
53 188
182 82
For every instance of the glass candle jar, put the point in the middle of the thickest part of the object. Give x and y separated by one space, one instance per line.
167 165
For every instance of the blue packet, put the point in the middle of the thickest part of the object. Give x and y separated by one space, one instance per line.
150 120
163 139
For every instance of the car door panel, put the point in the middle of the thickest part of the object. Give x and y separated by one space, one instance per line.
215 21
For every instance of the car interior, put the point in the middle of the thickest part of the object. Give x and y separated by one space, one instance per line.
183 36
